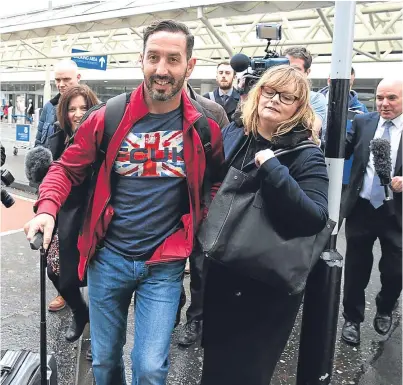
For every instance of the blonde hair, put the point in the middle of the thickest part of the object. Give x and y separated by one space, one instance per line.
277 78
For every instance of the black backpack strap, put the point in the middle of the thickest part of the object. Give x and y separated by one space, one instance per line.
203 130
114 111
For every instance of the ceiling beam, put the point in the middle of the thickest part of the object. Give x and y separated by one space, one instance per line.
214 32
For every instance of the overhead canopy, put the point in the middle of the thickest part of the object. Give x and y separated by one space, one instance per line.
33 40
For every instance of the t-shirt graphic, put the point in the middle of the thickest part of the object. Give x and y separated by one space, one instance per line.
149 186
152 154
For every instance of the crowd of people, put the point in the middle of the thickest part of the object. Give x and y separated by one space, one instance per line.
163 166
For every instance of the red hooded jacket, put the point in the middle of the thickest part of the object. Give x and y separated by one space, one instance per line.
72 169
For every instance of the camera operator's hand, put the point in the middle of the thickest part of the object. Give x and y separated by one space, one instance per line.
44 223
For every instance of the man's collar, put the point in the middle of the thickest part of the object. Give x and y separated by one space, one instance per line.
398 121
229 93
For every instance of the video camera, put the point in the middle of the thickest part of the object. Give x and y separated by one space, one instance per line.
6 180
256 66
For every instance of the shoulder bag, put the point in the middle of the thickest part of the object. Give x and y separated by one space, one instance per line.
239 234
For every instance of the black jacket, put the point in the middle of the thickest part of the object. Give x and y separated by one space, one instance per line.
240 312
231 104
69 218
295 185
357 142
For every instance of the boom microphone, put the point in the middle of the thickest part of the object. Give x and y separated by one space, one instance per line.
37 163
380 148
239 62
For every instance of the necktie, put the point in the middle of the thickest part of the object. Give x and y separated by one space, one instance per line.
378 191
224 98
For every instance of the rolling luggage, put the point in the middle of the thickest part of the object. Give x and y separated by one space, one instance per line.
24 367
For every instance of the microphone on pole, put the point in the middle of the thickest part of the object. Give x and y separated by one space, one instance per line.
381 151
37 163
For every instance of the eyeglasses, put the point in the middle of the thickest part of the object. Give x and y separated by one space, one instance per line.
285 98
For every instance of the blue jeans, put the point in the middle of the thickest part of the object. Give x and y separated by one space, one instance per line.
112 279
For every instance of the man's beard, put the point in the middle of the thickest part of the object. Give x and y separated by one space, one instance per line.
225 86
161 95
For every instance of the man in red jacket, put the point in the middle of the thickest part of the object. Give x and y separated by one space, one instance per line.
146 208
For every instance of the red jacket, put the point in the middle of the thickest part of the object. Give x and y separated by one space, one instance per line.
72 168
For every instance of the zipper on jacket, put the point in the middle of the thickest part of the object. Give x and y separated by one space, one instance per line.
106 203
110 195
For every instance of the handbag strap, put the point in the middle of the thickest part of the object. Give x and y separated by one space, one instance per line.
298 147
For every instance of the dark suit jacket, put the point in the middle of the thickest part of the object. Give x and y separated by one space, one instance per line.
214 108
357 143
231 104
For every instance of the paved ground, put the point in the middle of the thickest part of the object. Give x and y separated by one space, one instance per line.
20 311
376 362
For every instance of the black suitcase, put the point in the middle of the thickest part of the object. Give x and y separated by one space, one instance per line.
24 367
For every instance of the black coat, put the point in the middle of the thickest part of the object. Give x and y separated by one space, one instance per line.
230 105
247 323
357 143
69 220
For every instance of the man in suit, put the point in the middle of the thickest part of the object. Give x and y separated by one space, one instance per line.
225 95
369 218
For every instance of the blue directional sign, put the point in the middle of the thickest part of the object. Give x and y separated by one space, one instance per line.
90 62
22 133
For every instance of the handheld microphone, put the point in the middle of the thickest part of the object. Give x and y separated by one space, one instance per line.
239 62
381 151
37 163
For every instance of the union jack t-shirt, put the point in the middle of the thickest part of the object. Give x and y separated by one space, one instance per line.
149 189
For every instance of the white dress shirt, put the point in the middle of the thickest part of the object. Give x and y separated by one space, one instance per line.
395 134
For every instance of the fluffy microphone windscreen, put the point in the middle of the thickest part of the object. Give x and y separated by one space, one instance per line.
380 148
239 62
37 163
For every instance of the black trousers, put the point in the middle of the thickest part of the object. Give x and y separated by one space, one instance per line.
363 227
197 279
246 327
71 293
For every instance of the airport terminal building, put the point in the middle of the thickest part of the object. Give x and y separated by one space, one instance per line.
105 38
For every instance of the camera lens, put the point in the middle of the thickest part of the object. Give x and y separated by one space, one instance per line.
6 198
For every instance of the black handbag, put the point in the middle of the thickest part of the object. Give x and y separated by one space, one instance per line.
239 234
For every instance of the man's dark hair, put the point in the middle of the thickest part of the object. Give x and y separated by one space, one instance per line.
170 26
224 63
352 71
300 53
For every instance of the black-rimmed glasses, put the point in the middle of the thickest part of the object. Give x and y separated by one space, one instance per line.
284 97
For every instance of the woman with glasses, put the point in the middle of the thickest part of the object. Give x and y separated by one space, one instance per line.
246 322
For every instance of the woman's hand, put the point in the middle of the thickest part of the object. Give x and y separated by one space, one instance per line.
263 156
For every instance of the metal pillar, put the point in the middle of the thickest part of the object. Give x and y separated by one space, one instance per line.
322 294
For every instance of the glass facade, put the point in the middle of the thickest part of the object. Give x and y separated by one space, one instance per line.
107 89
